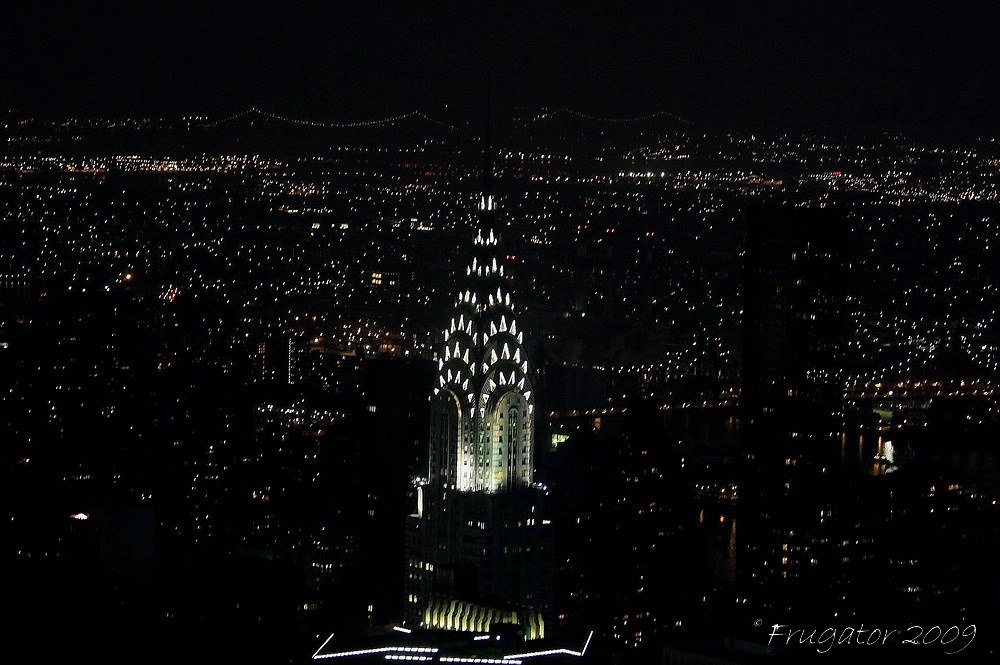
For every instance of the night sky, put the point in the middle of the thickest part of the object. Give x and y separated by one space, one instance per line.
852 64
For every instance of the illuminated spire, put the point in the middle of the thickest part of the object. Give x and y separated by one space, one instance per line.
484 410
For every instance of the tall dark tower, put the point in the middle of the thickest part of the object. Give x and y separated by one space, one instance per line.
794 300
791 400
479 548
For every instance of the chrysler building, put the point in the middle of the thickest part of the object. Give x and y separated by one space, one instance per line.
479 548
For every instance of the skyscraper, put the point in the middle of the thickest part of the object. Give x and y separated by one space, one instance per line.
479 548
791 397
794 299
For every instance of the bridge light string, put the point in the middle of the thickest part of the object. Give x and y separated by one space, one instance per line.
374 122
546 112
417 113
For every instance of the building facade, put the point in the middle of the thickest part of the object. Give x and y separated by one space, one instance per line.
792 509
479 547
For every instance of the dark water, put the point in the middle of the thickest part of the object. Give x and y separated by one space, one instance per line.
709 439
